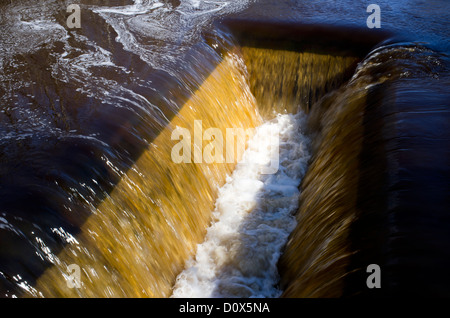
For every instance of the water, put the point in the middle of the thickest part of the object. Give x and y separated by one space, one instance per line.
363 157
252 219
86 117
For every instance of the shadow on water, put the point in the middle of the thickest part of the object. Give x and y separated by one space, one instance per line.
52 180
375 189
404 221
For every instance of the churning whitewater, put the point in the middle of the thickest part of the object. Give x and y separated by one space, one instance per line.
253 217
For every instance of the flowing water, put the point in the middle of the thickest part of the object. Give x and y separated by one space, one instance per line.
252 219
87 176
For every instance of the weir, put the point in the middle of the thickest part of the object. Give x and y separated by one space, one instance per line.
139 236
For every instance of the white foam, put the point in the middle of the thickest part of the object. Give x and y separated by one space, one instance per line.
252 219
175 28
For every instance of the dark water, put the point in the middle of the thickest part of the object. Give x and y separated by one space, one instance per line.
376 188
79 107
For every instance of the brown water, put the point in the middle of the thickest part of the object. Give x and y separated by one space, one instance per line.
293 89
141 234
345 221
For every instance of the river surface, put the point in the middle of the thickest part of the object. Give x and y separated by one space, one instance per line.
78 108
